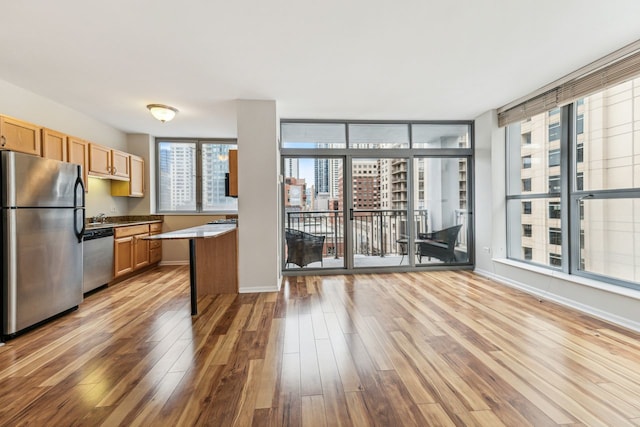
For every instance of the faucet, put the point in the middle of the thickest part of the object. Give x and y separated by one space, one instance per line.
101 217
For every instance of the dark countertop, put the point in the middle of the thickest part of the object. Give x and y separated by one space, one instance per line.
119 223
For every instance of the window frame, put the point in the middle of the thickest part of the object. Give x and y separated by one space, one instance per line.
199 143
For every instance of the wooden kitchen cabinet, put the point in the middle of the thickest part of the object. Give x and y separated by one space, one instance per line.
155 246
123 255
135 186
78 152
54 145
131 251
120 164
233 173
108 163
20 136
99 160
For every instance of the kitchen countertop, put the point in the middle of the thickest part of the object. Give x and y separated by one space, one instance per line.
198 232
92 226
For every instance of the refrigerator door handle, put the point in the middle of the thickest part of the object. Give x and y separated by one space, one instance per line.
79 183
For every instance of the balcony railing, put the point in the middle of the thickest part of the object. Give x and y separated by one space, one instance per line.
375 232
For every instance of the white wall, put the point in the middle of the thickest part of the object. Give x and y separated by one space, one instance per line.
24 105
613 303
258 196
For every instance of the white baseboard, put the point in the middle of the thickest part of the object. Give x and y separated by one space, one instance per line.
174 263
593 311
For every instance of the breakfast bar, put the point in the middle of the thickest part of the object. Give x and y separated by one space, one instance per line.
213 259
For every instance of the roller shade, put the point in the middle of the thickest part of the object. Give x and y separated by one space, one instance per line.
598 78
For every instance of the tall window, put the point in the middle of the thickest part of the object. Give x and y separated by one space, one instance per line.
191 176
593 197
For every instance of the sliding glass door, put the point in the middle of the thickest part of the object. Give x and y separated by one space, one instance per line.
376 196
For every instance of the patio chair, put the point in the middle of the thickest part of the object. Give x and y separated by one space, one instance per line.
303 248
439 244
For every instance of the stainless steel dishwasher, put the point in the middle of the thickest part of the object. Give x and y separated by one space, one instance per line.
97 258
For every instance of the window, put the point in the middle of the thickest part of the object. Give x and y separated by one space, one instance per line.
526 162
554 111
526 184
180 163
589 224
580 124
580 153
554 131
580 181
554 184
554 210
526 230
554 158
526 208
527 253
526 138
555 236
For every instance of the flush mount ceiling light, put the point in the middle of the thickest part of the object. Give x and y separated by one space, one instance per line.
164 113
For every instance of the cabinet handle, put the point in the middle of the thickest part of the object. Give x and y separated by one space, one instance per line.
4 140
114 170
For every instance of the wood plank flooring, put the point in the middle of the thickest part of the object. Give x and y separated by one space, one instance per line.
413 349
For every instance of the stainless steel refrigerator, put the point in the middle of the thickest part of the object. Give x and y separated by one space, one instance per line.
42 204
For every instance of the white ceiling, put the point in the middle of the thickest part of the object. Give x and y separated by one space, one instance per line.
340 59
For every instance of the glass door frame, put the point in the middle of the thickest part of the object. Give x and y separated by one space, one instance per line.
410 154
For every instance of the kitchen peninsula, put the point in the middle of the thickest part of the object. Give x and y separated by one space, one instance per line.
213 259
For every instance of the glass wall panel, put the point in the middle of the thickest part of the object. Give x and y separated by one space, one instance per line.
441 210
313 135
440 136
177 176
534 231
313 212
610 238
374 135
215 165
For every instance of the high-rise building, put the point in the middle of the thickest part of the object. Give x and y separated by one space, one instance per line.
291 168
321 175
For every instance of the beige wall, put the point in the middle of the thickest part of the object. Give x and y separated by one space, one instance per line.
177 251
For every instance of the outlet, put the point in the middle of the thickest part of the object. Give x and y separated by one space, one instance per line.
113 209
487 249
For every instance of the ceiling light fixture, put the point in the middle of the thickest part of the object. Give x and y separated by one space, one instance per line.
164 113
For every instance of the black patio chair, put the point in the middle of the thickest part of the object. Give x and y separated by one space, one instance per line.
439 244
303 248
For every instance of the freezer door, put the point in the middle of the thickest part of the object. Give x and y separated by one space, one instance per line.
31 181
42 266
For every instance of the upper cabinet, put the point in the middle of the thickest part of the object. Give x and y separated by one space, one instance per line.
233 173
135 186
78 152
54 145
120 164
21 136
107 163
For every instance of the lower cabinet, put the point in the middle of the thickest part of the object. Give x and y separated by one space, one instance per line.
132 252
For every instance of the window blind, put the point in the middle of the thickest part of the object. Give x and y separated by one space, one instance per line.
620 66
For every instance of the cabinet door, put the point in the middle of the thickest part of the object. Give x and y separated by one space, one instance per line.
99 160
135 186
123 256
21 136
140 251
233 173
120 164
78 152
136 180
54 145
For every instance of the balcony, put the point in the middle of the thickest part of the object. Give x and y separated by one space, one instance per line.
375 235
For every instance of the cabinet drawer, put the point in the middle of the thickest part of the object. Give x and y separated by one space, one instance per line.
155 244
155 227
132 230
155 255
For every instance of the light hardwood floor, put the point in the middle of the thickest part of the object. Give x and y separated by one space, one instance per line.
413 349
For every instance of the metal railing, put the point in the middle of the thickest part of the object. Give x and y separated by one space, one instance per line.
375 232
